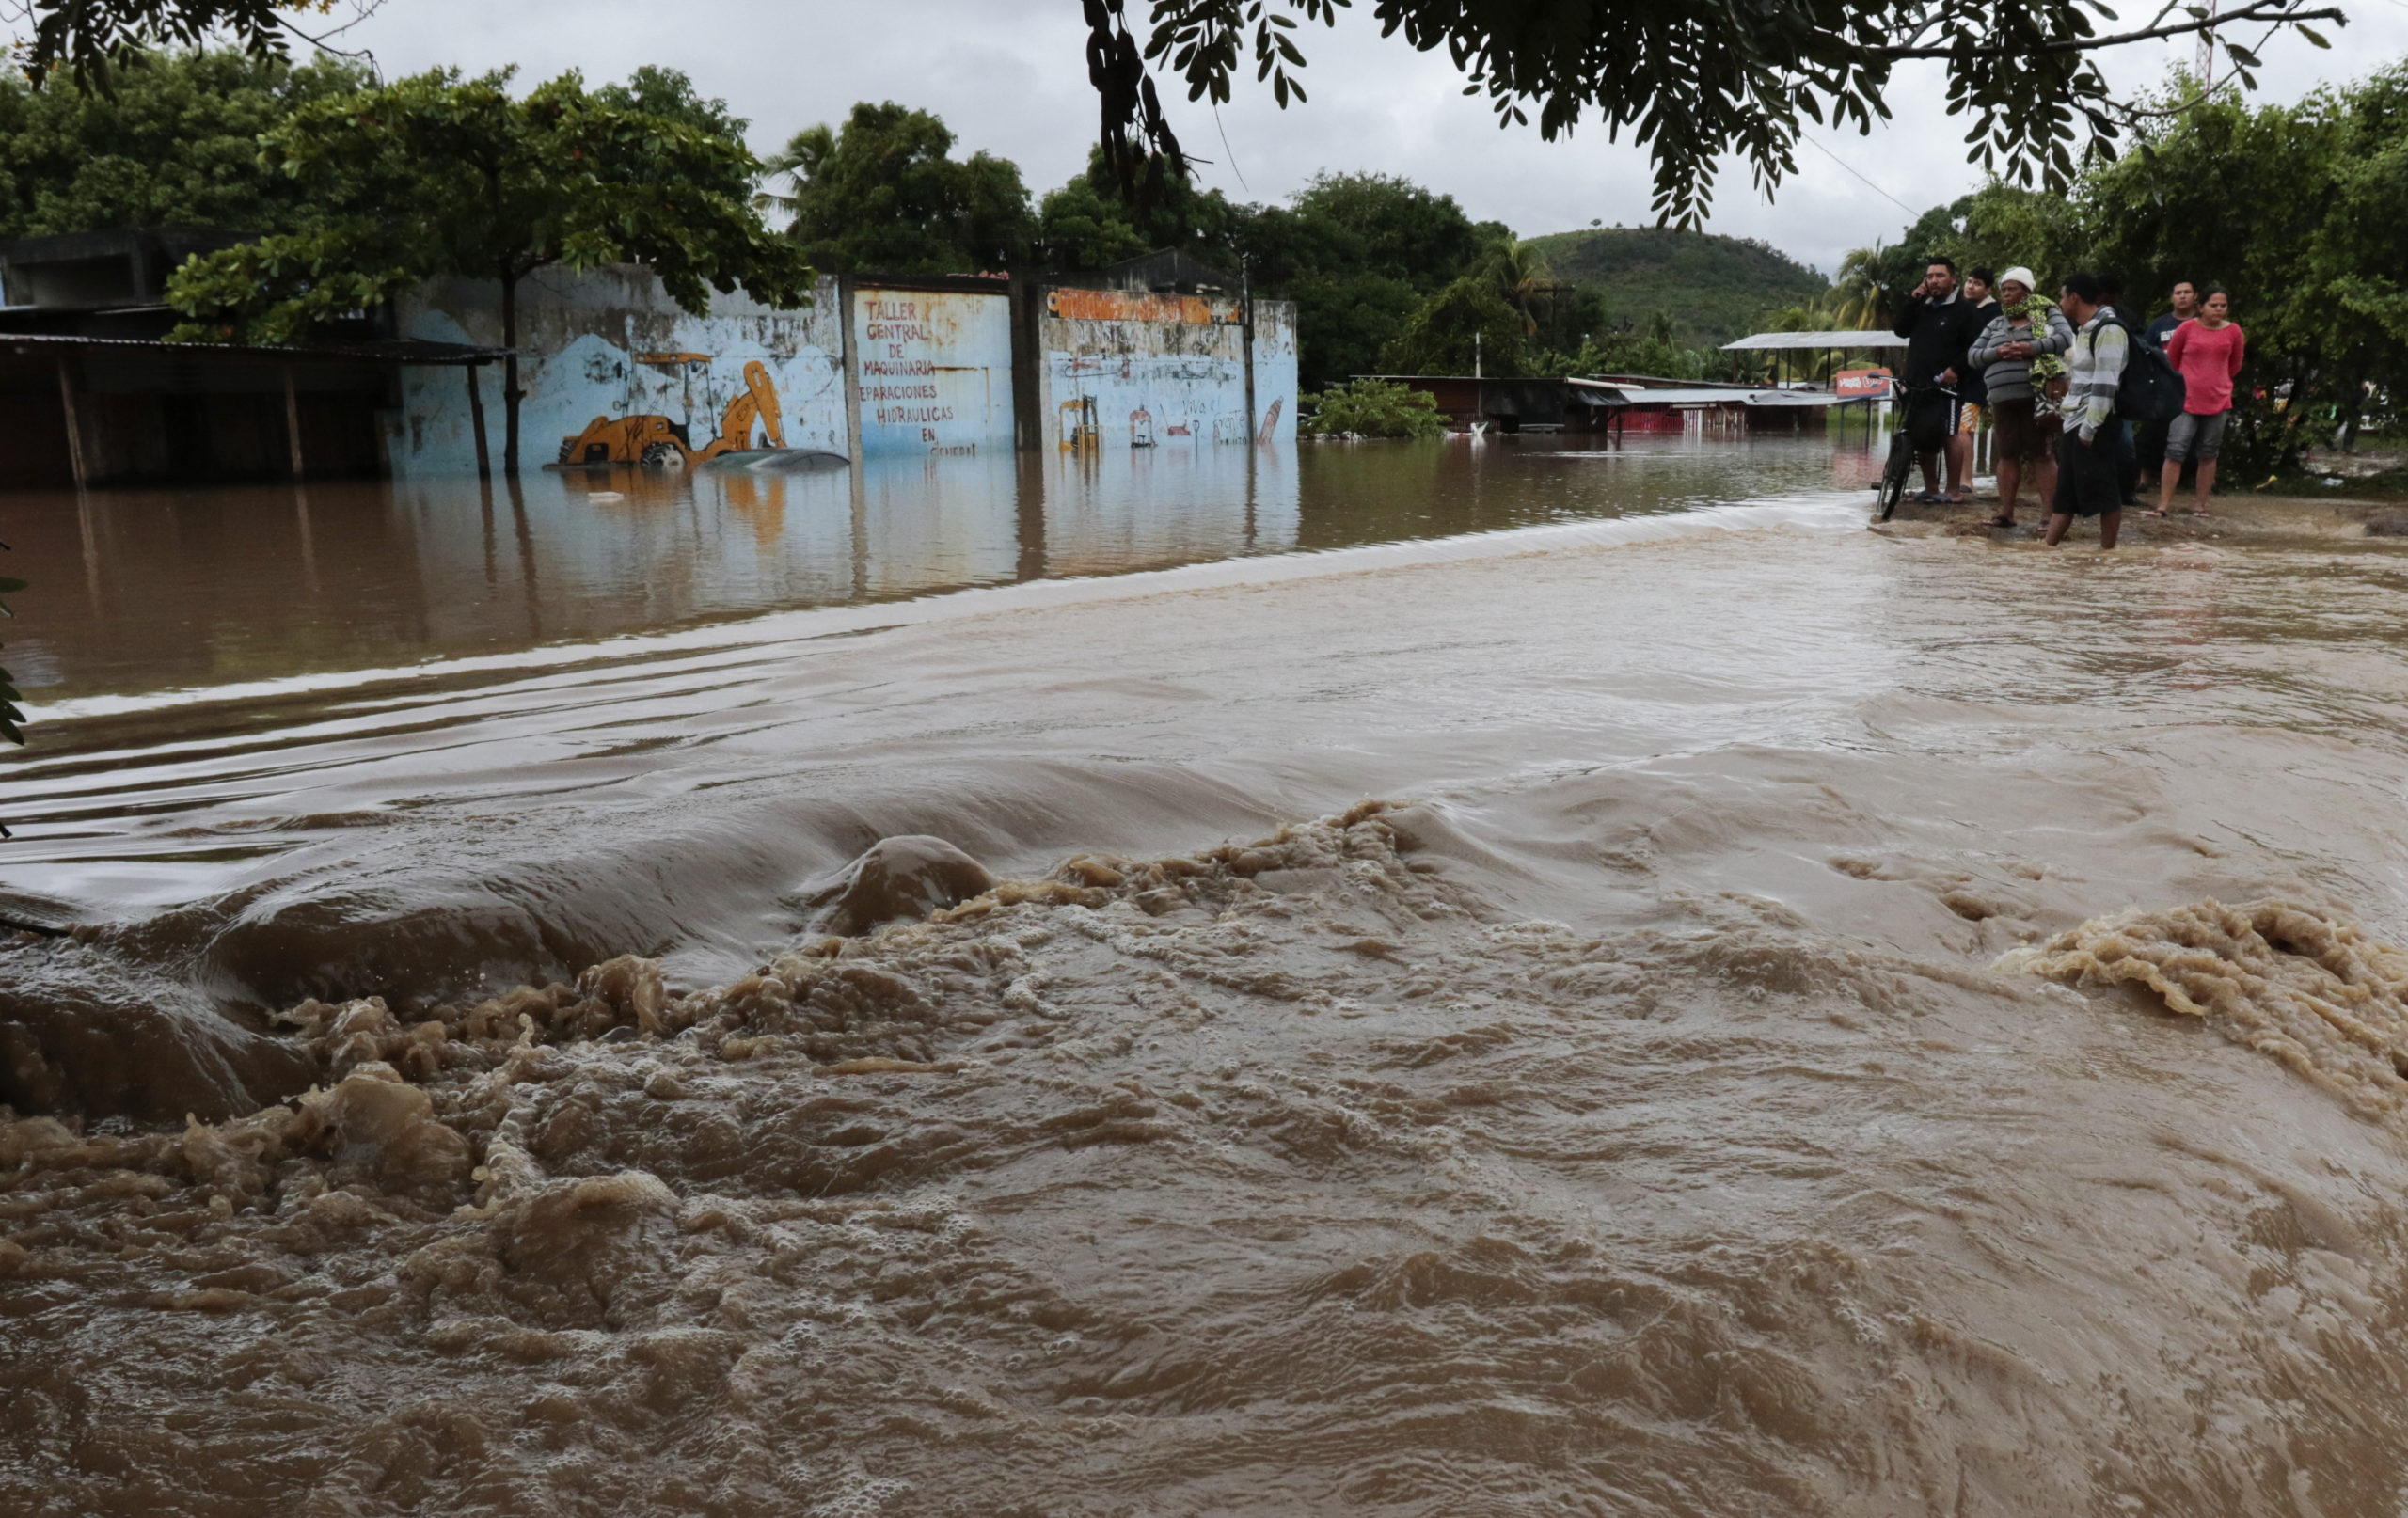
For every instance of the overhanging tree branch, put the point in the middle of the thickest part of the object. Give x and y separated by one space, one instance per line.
1702 81
2274 11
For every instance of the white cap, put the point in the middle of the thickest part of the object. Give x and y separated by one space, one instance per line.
2019 275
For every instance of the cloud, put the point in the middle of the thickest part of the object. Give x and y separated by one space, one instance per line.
1010 76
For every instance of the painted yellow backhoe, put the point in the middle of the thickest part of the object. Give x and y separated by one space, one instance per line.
658 443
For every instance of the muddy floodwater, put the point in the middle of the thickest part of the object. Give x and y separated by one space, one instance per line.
1515 980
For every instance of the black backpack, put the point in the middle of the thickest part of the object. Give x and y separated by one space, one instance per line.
2151 390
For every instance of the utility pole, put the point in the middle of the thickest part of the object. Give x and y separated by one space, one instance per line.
2207 50
1475 353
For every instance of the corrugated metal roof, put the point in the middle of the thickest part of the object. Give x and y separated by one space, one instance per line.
1819 339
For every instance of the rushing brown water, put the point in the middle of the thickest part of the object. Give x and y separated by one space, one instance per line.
1706 1013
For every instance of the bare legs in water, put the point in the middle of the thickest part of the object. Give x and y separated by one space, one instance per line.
2109 524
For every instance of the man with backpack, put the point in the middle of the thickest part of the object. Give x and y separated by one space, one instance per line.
2118 376
2086 449
2128 457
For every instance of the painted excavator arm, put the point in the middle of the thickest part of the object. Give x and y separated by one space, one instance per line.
758 403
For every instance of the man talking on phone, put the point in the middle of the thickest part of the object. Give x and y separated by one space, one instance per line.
1938 325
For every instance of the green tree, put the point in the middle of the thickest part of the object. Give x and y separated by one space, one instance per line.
1569 317
1858 299
1650 347
1995 227
2358 254
1522 277
1465 327
1694 82
1897 269
1089 223
881 193
176 143
2313 268
2005 224
442 175
1358 253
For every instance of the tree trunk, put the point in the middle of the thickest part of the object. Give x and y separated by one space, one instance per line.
2353 407
510 372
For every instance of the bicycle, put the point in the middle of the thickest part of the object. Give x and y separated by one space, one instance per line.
1894 475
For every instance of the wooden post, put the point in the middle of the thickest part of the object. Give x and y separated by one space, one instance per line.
855 445
477 419
1246 338
293 420
75 431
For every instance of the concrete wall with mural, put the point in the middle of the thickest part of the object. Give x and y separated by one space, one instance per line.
615 371
1125 369
934 370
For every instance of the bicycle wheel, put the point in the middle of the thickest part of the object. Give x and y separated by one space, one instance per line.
1894 475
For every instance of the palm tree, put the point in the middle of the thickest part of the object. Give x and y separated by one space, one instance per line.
1856 296
795 163
1520 270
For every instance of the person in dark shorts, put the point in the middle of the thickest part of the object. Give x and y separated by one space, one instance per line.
2149 438
2208 353
2086 476
2024 328
1938 325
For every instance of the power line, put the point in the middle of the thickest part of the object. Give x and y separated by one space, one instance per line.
1231 151
1851 168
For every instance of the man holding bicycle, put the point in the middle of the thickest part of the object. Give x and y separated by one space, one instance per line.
1938 325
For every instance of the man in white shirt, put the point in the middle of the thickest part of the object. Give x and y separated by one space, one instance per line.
2086 479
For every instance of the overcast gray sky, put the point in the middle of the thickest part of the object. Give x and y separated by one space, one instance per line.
1009 76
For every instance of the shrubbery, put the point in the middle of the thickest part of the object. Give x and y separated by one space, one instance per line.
1372 408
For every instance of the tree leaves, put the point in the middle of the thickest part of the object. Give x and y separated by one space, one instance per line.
440 174
1698 80
174 144
2311 269
882 193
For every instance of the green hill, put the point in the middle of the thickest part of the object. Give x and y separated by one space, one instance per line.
1713 288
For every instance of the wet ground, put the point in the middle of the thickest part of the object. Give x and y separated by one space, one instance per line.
1676 1004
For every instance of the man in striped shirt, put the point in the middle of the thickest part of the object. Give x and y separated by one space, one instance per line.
2086 481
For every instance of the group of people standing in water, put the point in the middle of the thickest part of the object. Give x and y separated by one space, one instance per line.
2049 372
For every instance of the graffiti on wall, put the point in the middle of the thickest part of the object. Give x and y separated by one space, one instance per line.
607 348
935 371
1129 369
1132 306
1145 401
607 361
656 442
1275 371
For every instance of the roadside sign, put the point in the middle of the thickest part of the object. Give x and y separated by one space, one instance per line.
1862 384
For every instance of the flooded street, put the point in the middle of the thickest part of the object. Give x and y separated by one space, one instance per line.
1414 981
164 588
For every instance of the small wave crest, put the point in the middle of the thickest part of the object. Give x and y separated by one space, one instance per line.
2308 987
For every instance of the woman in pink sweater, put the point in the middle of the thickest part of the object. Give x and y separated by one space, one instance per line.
2207 352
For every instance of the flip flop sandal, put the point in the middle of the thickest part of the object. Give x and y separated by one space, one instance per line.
2000 521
